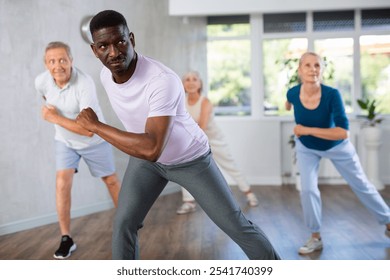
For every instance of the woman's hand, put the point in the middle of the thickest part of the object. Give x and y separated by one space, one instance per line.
334 133
287 105
300 130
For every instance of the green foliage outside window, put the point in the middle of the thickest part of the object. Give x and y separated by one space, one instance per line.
228 30
229 69
375 76
229 66
277 73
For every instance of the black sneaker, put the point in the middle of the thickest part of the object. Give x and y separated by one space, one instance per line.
66 248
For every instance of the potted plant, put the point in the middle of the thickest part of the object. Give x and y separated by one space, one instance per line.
370 129
372 139
295 171
372 115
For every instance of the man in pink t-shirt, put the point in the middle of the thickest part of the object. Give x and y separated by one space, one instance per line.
163 141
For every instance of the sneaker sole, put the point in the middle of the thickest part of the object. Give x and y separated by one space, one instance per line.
253 204
73 248
185 212
309 252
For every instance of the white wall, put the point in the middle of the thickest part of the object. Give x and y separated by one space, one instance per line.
255 145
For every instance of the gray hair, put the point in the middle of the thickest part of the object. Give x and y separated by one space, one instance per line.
59 45
312 54
196 74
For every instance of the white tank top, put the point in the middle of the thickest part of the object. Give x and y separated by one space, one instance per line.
212 130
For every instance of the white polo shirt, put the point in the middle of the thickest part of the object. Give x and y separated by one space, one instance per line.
78 94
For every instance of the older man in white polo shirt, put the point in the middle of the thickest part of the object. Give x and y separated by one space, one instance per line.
67 91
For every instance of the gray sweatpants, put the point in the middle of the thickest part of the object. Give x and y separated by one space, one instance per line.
144 181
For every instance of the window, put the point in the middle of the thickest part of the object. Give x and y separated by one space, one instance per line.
332 35
279 71
375 57
354 43
293 22
338 53
281 55
333 21
375 69
228 65
376 19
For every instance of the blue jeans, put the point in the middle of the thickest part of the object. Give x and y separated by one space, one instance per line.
144 181
347 163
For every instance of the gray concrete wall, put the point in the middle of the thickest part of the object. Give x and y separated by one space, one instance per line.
27 166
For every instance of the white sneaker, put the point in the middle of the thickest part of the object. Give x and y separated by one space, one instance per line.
186 207
252 199
313 244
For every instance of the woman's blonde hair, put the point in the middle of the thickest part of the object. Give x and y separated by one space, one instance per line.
312 54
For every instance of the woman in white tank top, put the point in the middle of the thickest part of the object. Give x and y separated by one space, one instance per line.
201 110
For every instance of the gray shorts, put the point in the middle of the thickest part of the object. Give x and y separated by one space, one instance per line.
99 158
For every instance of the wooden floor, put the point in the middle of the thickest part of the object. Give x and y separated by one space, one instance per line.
349 231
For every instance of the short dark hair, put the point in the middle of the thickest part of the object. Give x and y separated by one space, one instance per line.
107 18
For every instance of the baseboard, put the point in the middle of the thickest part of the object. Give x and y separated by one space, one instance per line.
253 180
26 224
52 218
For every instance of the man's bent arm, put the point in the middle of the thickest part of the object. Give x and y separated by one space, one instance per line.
71 125
148 145
50 114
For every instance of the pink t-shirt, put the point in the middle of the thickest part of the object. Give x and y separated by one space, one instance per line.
155 90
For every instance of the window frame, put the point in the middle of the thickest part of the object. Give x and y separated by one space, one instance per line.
234 19
257 35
